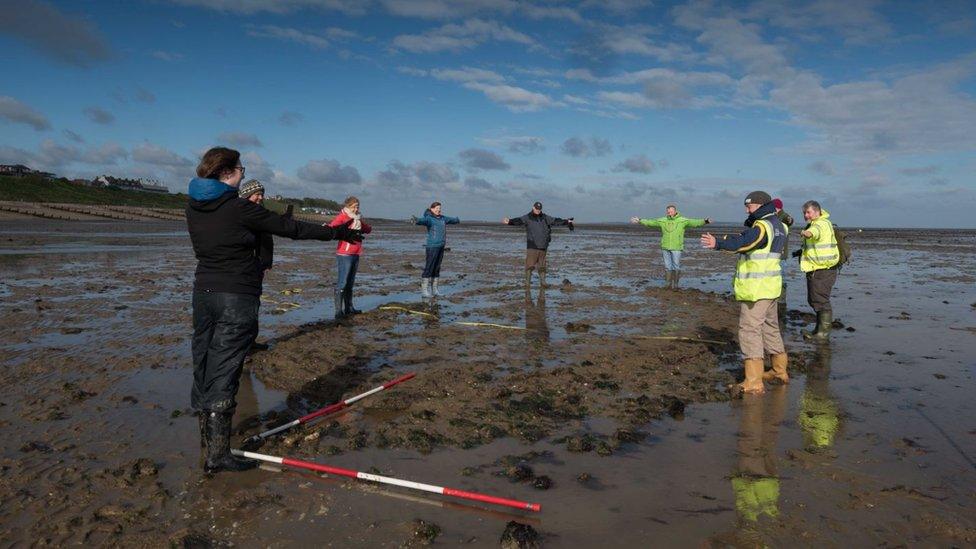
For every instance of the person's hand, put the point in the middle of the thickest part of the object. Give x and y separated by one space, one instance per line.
413 219
708 241
635 219
708 220
806 234
505 221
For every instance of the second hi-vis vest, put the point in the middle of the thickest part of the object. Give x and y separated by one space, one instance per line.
758 273
820 253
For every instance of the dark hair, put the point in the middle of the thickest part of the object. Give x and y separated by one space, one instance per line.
434 205
350 201
811 204
216 161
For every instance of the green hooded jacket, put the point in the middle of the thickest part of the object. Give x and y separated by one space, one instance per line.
672 230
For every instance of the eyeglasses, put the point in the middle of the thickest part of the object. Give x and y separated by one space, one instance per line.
240 168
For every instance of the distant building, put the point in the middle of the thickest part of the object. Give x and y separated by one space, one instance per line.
129 184
15 170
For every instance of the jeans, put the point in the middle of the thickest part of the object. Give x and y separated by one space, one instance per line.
432 266
224 327
346 265
672 260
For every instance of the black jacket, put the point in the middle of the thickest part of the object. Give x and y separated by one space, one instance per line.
538 229
227 231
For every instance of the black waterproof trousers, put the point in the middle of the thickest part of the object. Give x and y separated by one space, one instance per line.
432 266
224 327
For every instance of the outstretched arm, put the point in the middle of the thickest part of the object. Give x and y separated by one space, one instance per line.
748 239
262 220
451 220
650 222
516 221
698 222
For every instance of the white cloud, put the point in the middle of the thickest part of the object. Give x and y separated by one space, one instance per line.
636 164
467 74
99 115
239 139
578 147
456 37
522 144
247 7
481 159
514 98
14 111
156 155
64 38
330 172
289 34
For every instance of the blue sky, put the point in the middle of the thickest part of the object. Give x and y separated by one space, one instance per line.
602 110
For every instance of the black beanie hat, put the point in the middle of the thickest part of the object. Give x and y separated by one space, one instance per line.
758 197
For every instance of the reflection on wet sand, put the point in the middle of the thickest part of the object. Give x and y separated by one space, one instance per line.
536 323
819 416
755 477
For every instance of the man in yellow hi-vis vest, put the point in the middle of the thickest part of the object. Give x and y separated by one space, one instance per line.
819 258
758 284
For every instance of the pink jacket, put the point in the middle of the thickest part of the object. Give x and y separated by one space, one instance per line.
348 248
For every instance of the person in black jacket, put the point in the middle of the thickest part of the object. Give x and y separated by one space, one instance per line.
538 234
225 231
253 191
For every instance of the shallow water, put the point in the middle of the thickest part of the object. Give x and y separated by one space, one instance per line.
875 445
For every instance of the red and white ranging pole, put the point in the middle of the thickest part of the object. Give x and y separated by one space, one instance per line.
328 409
311 466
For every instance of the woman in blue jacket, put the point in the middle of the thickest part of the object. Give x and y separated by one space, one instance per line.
436 239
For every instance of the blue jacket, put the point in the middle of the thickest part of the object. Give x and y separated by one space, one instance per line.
436 228
753 237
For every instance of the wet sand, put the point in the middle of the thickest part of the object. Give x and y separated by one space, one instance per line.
620 437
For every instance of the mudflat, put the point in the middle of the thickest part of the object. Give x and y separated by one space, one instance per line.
602 397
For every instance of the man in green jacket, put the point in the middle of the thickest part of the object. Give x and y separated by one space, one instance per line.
672 240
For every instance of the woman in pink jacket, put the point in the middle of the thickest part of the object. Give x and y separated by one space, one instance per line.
347 257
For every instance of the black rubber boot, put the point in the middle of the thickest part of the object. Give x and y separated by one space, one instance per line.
347 301
675 279
202 418
339 313
824 325
219 457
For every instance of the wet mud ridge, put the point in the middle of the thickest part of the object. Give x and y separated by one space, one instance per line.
479 383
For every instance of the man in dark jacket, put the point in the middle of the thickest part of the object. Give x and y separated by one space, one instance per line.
538 234
224 230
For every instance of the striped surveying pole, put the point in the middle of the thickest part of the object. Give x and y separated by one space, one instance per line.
328 409
311 466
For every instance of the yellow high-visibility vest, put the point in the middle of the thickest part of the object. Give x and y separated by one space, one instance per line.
820 252
758 273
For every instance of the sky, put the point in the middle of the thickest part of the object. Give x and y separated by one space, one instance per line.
601 109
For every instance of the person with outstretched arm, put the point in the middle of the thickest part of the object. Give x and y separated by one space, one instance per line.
757 285
224 230
436 224
347 257
672 227
538 234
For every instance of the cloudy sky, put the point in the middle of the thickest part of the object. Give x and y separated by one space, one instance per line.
602 109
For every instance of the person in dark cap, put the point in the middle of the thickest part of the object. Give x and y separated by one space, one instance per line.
758 283
253 191
538 234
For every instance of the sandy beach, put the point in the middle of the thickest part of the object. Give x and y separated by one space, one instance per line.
603 398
